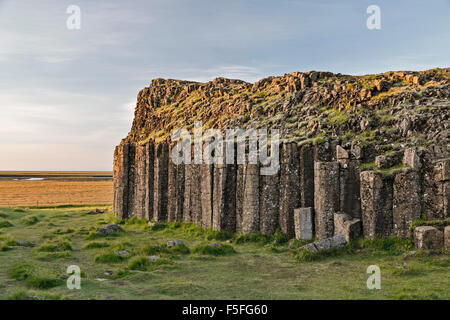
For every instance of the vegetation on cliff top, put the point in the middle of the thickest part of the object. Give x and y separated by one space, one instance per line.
389 110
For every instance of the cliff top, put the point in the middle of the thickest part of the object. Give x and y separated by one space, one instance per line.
390 110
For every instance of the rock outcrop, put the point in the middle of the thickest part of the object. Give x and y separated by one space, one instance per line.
367 154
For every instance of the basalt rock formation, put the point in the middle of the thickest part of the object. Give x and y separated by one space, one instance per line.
366 154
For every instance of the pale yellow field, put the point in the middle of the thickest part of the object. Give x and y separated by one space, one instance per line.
54 192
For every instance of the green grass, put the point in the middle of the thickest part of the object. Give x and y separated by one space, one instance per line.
5 224
95 245
110 257
27 273
221 250
29 221
260 267
52 247
143 263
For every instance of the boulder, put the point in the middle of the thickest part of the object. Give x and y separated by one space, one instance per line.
153 258
25 243
173 243
426 237
336 242
122 253
108 229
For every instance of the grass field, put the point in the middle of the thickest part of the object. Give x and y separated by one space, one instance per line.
245 268
57 188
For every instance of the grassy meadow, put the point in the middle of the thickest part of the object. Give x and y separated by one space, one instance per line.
243 267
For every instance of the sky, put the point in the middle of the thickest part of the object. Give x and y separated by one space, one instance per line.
67 97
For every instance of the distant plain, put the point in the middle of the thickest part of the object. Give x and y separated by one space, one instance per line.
51 188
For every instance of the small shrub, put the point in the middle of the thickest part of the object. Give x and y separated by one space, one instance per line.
19 295
139 263
21 272
20 210
4 247
155 250
12 243
409 271
256 237
391 245
110 258
29 221
22 295
180 249
65 231
304 255
158 226
60 246
136 221
279 237
143 264
221 250
95 245
43 282
5 224
52 256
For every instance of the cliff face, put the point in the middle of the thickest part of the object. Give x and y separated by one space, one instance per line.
374 147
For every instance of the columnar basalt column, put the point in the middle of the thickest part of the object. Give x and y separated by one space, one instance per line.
326 197
406 206
441 174
239 195
207 173
307 176
250 206
140 190
149 179
376 204
269 203
187 204
161 179
121 180
349 187
175 192
131 179
289 186
196 199
323 152
224 197
435 185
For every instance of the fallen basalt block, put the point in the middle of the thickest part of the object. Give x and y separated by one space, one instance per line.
336 242
426 237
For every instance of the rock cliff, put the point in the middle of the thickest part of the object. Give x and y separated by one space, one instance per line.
375 148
